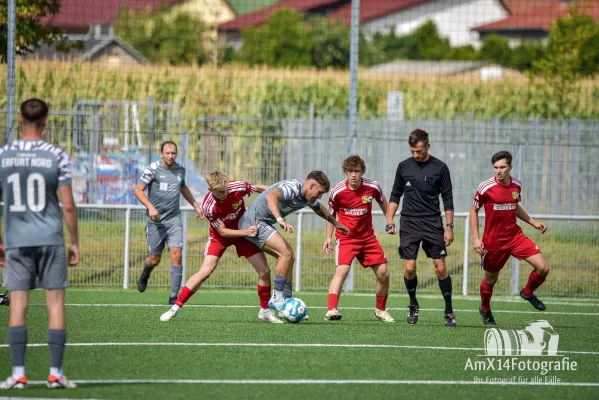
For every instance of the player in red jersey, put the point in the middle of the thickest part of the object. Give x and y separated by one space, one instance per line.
351 202
223 207
503 237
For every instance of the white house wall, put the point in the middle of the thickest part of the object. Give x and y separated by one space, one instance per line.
454 19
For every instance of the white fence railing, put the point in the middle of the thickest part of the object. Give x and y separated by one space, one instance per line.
113 250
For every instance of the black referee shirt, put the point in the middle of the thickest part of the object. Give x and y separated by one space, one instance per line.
421 183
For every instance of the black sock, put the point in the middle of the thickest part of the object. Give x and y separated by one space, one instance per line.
147 270
445 286
411 285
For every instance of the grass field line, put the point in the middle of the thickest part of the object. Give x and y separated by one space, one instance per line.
320 308
300 345
499 382
581 302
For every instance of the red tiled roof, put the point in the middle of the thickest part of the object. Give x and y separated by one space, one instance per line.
538 18
372 9
80 14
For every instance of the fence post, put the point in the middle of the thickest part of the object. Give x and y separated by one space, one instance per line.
126 255
466 257
298 253
150 128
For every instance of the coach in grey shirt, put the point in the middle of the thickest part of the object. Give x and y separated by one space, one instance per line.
274 204
165 181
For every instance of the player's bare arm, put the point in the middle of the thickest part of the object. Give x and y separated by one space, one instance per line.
143 199
233 233
390 214
187 195
272 201
448 235
69 211
523 216
323 213
476 242
260 188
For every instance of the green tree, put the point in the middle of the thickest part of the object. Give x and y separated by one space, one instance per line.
497 49
283 41
430 44
467 52
525 55
30 33
330 43
164 38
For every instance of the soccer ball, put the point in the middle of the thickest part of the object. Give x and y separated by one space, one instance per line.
294 310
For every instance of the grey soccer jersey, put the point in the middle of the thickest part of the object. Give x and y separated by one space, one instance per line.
31 172
164 189
291 200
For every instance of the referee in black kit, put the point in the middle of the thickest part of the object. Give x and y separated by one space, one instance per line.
421 179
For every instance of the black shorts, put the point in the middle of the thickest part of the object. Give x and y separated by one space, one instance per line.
429 231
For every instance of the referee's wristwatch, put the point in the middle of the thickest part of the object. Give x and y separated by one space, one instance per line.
450 226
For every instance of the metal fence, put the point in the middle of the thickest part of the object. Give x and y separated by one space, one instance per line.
113 249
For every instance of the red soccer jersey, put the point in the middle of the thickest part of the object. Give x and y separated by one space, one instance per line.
230 210
500 203
354 207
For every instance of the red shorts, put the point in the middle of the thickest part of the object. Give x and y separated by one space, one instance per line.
368 251
217 247
522 248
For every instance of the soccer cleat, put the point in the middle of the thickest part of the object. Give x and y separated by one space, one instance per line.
142 282
172 300
487 317
268 316
413 314
170 314
11 383
534 300
383 316
276 305
332 315
55 382
4 300
450 321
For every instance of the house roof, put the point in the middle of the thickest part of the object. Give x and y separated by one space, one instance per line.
78 15
536 19
415 67
245 6
374 9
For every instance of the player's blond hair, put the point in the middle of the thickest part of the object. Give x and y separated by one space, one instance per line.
217 180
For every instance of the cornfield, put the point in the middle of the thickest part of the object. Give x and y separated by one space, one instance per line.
201 91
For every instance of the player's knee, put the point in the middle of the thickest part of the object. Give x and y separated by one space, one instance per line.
411 269
153 260
543 270
264 275
384 274
288 255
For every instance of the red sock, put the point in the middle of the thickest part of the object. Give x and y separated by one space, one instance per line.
184 296
486 291
534 281
264 295
381 303
333 301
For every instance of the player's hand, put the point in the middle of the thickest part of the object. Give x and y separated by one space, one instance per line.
343 228
478 245
2 255
74 254
390 228
326 247
540 226
153 213
252 231
448 236
287 227
200 213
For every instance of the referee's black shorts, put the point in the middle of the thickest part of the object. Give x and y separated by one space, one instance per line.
429 231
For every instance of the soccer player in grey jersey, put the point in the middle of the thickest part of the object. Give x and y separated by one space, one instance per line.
165 181
274 204
31 172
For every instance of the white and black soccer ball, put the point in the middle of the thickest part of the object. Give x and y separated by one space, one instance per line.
294 310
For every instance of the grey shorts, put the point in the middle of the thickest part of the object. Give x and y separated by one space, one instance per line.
36 267
265 230
157 235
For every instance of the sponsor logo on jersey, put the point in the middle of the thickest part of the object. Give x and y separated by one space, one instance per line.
355 211
231 216
505 207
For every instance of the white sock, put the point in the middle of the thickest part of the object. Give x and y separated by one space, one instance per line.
264 309
18 372
278 295
176 308
57 372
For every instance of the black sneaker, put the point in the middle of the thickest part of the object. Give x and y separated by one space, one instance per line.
172 300
536 303
4 300
487 317
142 282
413 314
450 320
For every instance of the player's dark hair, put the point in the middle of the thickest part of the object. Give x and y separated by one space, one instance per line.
502 155
321 178
418 135
34 111
166 143
354 163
